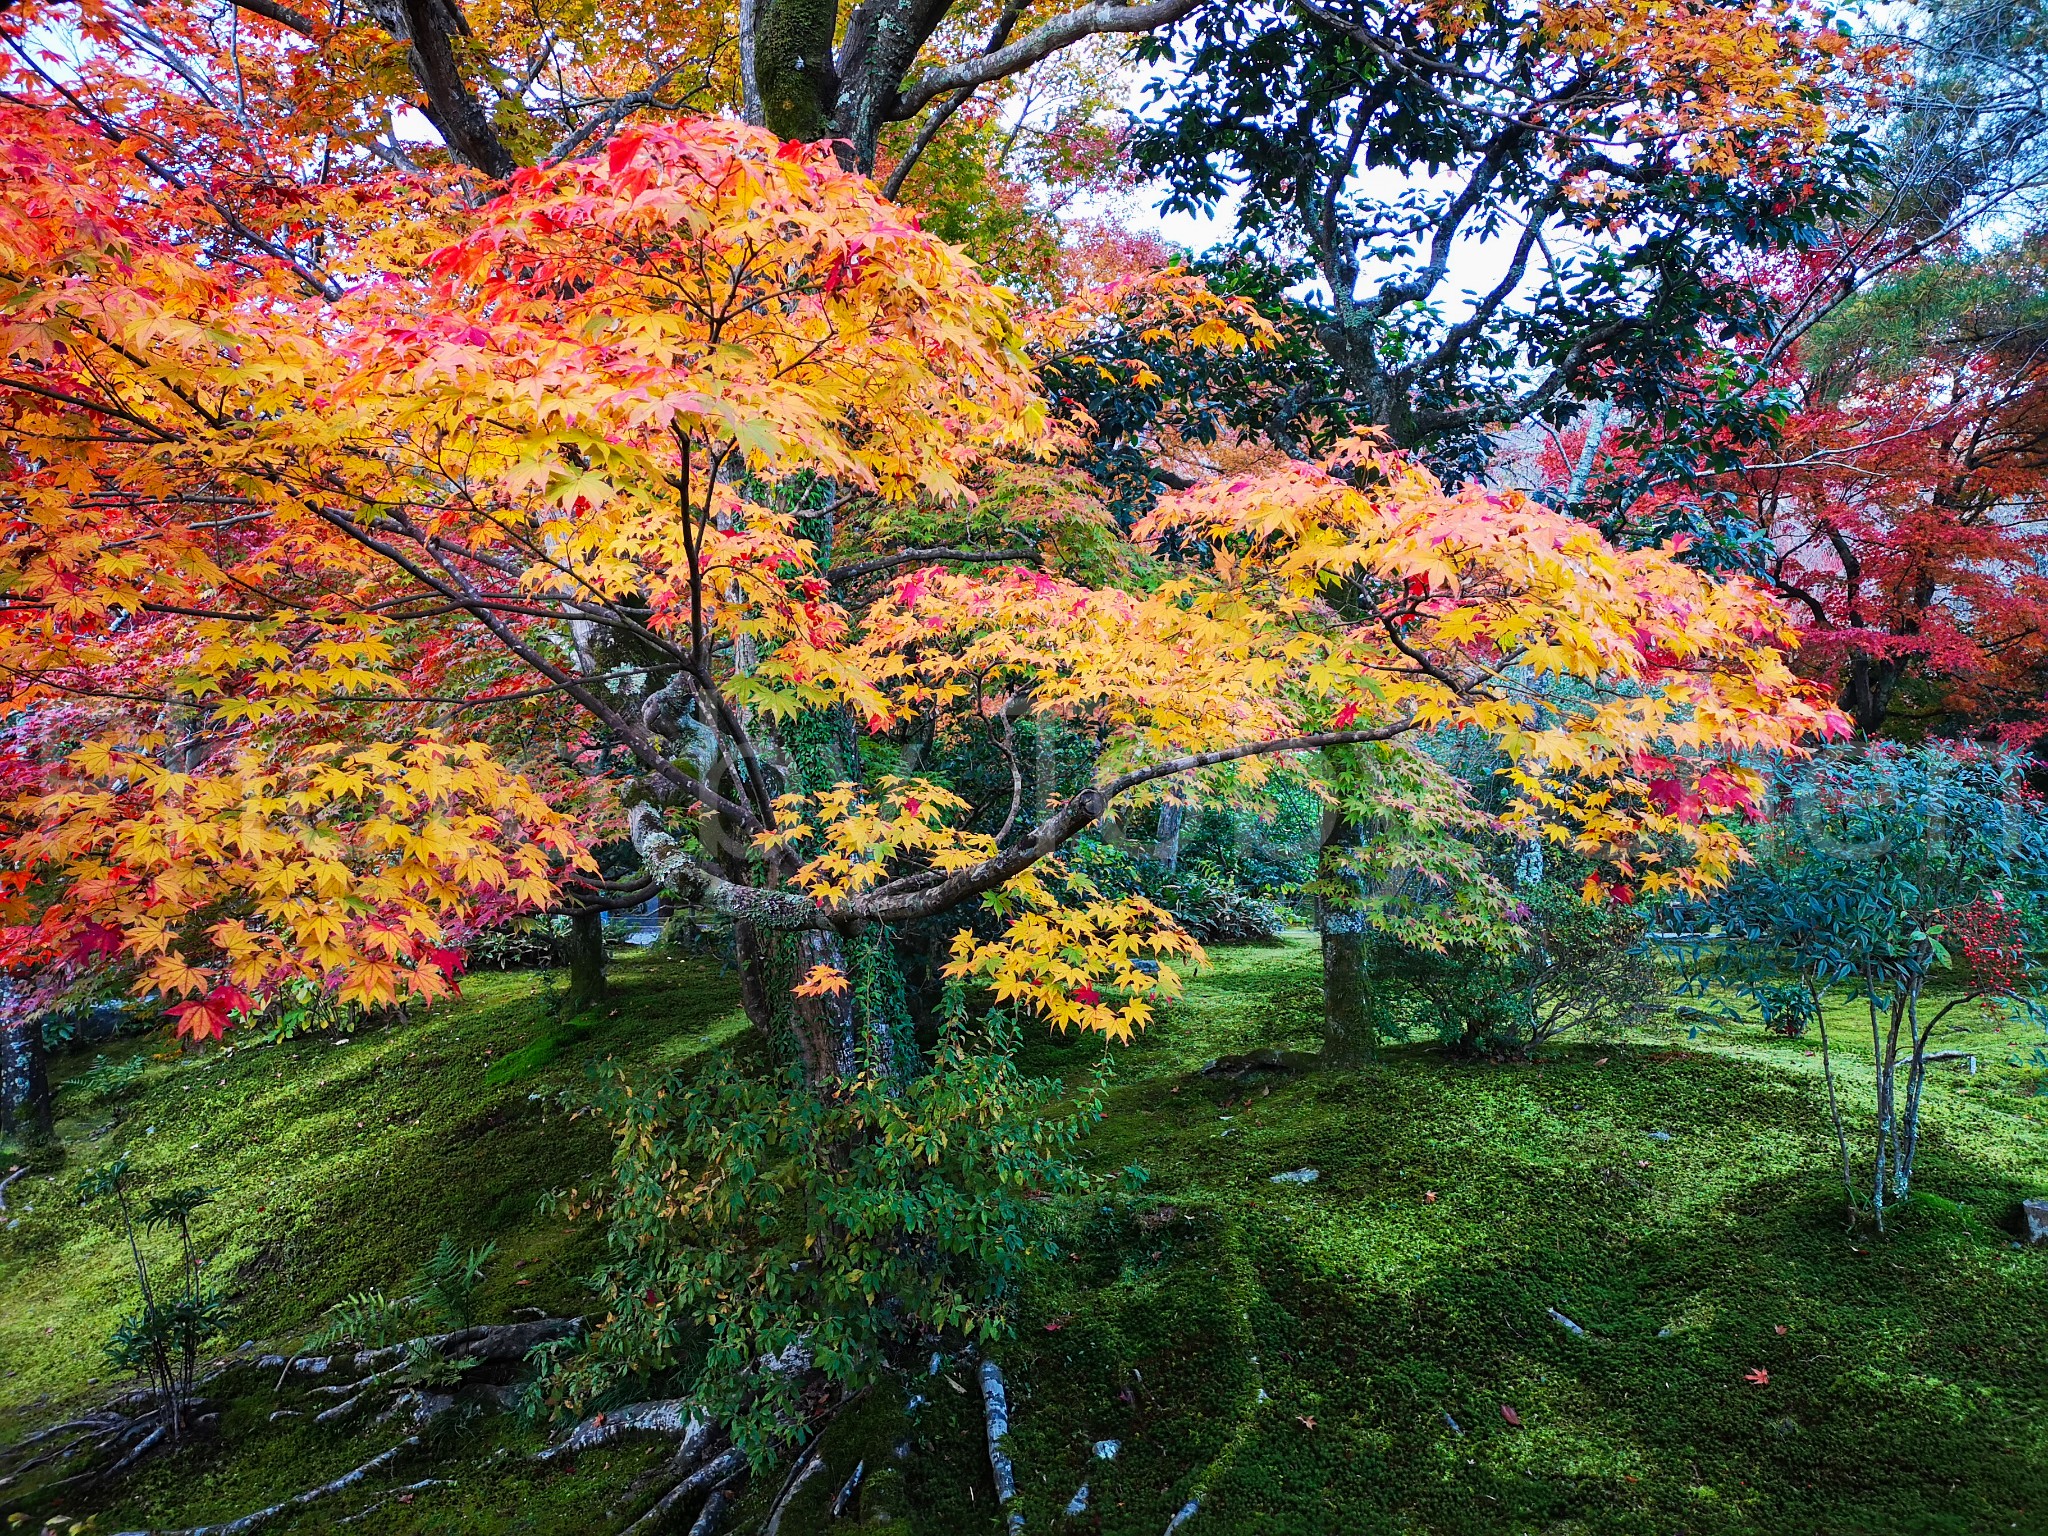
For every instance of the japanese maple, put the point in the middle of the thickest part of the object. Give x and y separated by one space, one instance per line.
571 432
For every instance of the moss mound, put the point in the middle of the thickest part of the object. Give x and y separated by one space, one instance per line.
1371 1351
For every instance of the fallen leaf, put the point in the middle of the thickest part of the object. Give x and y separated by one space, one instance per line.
956 1386
1601 1062
1429 1197
1510 1415
1781 1330
1758 1377
1306 1421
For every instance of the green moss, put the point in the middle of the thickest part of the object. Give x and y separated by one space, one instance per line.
1908 1393
337 1162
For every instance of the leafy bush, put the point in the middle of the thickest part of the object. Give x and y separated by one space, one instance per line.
300 1007
1201 896
765 1222
1571 965
1882 867
527 944
106 1079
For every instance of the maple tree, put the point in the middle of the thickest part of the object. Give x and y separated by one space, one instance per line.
247 104
1903 502
388 555
565 431
1896 501
1603 169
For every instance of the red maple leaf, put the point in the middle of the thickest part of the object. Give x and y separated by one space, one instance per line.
1673 799
96 939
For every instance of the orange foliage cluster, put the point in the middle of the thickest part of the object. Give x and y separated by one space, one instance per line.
272 537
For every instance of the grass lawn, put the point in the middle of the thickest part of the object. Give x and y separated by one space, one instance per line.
1335 1356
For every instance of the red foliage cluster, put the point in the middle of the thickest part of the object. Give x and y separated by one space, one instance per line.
1988 936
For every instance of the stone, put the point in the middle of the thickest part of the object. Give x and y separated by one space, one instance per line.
2036 1213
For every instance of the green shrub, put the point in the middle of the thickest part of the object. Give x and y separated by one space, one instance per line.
1202 896
754 1219
162 1340
443 1295
526 944
1574 965
107 1079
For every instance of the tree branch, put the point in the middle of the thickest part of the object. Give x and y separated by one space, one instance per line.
1089 21
283 15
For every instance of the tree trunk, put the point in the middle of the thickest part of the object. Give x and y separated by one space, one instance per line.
793 68
1349 1035
586 960
25 1082
1167 849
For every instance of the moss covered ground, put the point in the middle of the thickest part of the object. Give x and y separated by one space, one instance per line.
1341 1355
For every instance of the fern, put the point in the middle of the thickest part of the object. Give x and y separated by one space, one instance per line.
367 1319
449 1279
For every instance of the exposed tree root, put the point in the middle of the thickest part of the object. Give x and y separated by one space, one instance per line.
808 1466
98 1447
257 1519
668 1416
397 1493
995 1402
485 1344
1265 1059
712 1515
136 1452
96 1438
727 1464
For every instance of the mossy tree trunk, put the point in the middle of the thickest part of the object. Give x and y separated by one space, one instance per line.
1350 1035
794 76
803 87
25 1081
586 960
